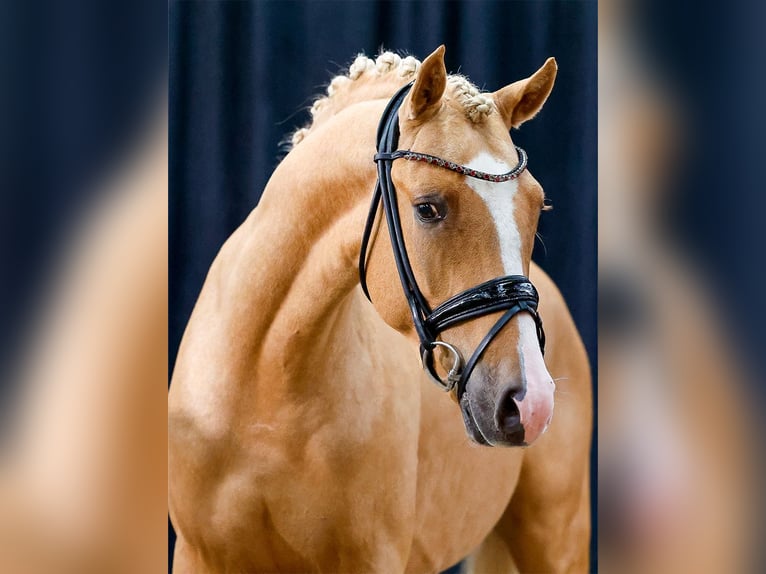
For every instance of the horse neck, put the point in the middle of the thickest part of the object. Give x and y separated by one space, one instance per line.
295 276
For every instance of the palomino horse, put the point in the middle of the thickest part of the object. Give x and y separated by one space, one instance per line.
304 434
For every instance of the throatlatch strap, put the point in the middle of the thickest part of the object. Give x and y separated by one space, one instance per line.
391 109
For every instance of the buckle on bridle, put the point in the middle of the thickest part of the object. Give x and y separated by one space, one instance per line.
454 374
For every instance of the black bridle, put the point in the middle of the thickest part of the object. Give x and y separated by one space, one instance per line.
512 294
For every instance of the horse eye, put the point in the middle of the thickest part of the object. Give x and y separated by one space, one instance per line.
427 212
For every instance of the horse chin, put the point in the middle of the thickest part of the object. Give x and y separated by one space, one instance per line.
471 427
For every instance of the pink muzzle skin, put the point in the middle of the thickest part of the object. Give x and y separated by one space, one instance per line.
536 406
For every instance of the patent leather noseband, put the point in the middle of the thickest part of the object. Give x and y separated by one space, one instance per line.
512 294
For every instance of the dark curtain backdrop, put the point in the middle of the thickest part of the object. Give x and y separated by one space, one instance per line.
77 84
243 75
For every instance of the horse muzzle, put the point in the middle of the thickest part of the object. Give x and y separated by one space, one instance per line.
516 414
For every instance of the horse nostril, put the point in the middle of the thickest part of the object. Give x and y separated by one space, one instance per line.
507 416
511 421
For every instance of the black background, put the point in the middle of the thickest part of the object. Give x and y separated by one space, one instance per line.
243 75
78 82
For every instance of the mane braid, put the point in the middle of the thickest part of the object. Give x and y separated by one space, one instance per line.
477 106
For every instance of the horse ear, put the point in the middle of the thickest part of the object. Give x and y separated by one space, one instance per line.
427 92
520 101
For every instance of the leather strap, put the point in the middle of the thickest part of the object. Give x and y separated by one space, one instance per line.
495 295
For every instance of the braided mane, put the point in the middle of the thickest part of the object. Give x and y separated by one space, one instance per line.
389 68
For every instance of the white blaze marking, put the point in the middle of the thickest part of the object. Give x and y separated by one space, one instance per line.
537 406
499 199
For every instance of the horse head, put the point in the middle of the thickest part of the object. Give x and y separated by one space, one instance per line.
460 230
